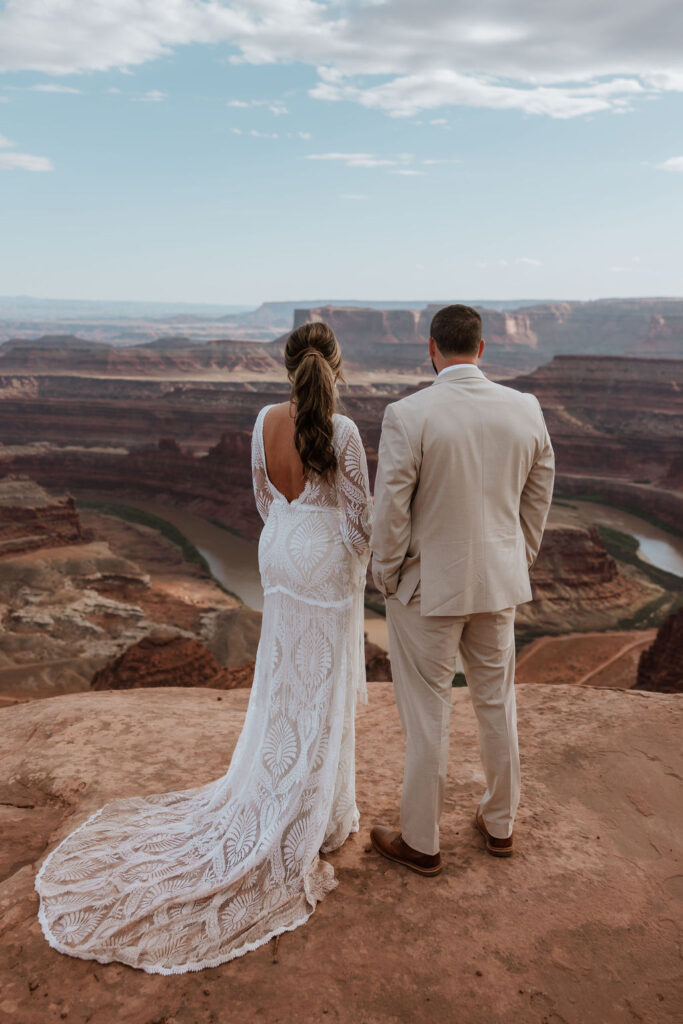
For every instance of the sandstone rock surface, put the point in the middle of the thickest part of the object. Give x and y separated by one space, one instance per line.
599 659
616 429
516 339
614 423
67 610
160 659
30 518
661 666
581 926
576 584
162 357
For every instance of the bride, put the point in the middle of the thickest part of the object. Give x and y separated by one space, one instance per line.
176 882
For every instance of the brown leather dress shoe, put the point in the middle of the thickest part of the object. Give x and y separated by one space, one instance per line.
391 845
495 846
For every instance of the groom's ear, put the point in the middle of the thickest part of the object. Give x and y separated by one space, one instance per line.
482 346
432 347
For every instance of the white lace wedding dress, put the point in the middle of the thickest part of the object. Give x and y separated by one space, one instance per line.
180 881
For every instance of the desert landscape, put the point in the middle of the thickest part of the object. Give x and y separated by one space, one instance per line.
128 562
126 499
196 800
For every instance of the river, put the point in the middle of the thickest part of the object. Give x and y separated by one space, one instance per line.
233 560
656 546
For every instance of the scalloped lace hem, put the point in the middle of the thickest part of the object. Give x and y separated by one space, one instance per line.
248 947
200 965
312 899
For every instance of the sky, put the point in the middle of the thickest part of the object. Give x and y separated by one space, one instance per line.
220 152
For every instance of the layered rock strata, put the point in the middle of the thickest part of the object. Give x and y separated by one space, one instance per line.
615 425
30 518
67 609
159 659
167 356
521 339
616 428
577 585
661 666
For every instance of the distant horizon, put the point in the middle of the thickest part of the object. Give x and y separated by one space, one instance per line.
237 308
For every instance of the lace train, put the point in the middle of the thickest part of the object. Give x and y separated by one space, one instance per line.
179 881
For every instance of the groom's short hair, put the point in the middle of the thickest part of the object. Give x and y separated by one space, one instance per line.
456 330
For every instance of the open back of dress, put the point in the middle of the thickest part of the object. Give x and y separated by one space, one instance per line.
175 882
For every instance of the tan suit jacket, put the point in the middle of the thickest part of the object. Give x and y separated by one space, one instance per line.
464 483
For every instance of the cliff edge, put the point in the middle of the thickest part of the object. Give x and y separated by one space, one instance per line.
579 926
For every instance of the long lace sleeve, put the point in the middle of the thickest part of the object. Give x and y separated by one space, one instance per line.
353 491
262 492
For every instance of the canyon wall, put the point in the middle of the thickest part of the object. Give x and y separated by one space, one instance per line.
518 340
162 660
615 424
374 339
576 584
661 666
30 518
216 485
166 356
616 428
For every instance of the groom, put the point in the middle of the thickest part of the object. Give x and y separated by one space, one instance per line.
464 483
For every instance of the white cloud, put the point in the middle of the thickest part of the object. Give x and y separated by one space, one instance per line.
407 95
255 134
152 96
353 159
52 87
561 60
13 161
408 171
42 87
24 162
674 163
528 261
276 107
369 160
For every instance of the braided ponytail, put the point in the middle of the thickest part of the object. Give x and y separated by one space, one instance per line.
313 362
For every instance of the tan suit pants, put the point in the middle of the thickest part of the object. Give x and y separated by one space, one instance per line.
423 651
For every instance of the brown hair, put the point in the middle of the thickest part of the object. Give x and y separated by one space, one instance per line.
313 361
456 331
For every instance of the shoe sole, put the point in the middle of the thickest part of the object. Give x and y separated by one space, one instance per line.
406 863
493 850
